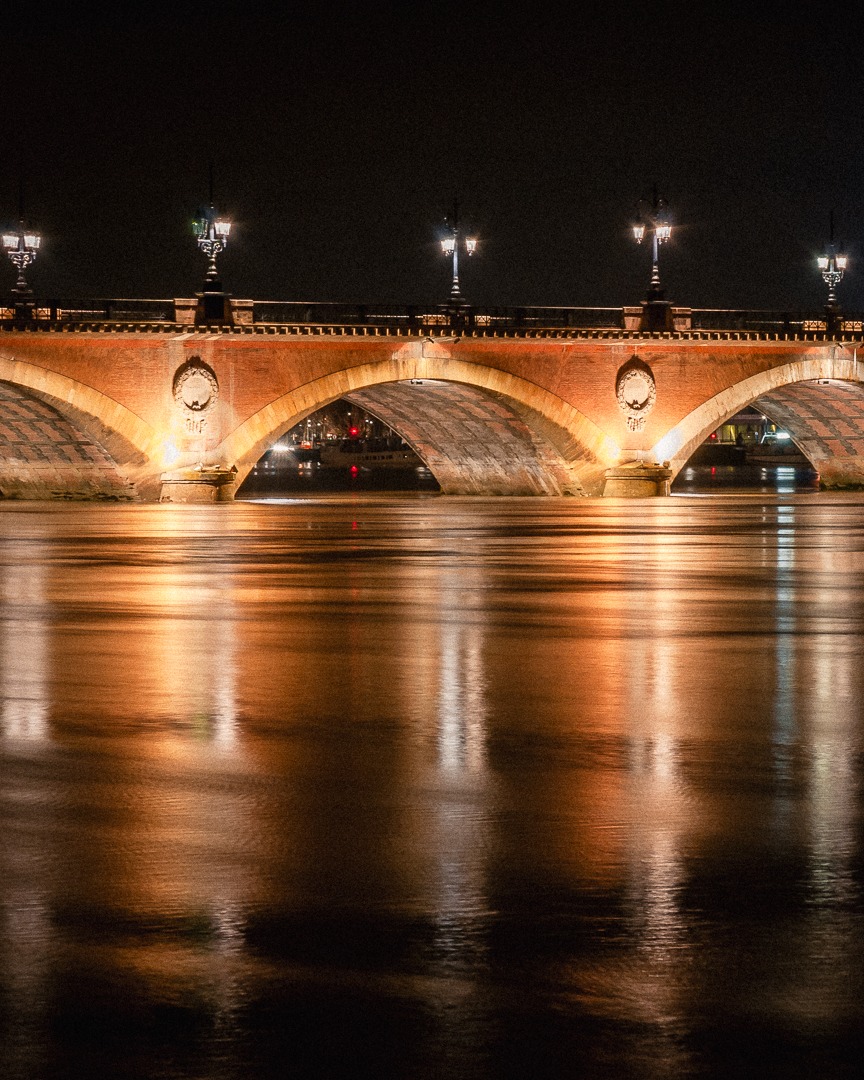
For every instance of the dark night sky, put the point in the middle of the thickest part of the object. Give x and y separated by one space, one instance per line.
339 138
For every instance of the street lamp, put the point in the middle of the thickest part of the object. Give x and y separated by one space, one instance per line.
450 246
833 266
211 233
652 219
21 247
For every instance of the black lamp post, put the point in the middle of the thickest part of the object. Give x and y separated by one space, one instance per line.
652 219
22 247
450 245
211 233
833 266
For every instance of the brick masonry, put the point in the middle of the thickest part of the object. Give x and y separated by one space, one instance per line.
507 414
45 457
473 442
826 420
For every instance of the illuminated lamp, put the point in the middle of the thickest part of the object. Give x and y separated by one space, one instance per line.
652 219
21 247
832 266
450 244
211 232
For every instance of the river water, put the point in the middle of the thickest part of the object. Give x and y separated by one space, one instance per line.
428 787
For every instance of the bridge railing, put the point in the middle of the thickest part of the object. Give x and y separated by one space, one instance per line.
417 316
38 313
81 311
769 322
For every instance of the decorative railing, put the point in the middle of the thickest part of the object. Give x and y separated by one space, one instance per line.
38 314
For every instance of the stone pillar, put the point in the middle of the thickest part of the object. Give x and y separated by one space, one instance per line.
243 311
656 316
201 484
682 318
184 311
637 480
213 309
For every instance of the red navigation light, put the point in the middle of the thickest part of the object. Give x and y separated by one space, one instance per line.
354 432
354 470
713 435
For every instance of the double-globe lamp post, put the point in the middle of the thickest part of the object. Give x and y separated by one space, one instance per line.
450 246
21 247
652 219
211 233
833 266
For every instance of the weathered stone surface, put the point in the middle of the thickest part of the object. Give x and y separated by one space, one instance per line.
826 419
43 456
473 441
637 481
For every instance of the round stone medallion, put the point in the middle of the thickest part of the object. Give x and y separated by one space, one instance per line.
636 393
195 386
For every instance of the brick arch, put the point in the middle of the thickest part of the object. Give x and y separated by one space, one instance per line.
44 456
826 420
559 449
125 439
768 388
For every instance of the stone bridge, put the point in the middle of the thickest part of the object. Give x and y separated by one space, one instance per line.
165 409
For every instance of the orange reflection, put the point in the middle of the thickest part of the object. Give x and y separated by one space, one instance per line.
24 652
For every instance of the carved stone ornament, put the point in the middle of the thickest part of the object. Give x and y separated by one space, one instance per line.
636 393
195 387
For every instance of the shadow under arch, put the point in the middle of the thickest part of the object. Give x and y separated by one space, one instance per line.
480 430
128 443
804 397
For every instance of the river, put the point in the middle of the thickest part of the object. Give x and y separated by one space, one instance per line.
430 787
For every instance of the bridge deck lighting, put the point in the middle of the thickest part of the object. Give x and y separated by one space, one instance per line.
450 246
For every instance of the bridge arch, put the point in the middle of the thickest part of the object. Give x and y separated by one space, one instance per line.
819 400
479 429
80 441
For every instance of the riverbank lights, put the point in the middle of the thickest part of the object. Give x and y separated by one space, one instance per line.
450 245
21 247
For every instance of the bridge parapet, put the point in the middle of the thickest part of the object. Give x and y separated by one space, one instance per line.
178 316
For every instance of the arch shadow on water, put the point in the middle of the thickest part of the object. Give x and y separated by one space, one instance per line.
311 480
766 479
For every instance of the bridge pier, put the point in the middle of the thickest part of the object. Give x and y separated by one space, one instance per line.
637 480
198 485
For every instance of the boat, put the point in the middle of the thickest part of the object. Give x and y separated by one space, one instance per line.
776 448
384 453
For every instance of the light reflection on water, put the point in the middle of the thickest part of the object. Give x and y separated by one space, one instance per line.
453 787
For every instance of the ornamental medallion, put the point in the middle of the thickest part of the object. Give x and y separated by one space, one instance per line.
195 386
636 393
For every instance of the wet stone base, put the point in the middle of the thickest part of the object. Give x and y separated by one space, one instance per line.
198 486
637 481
